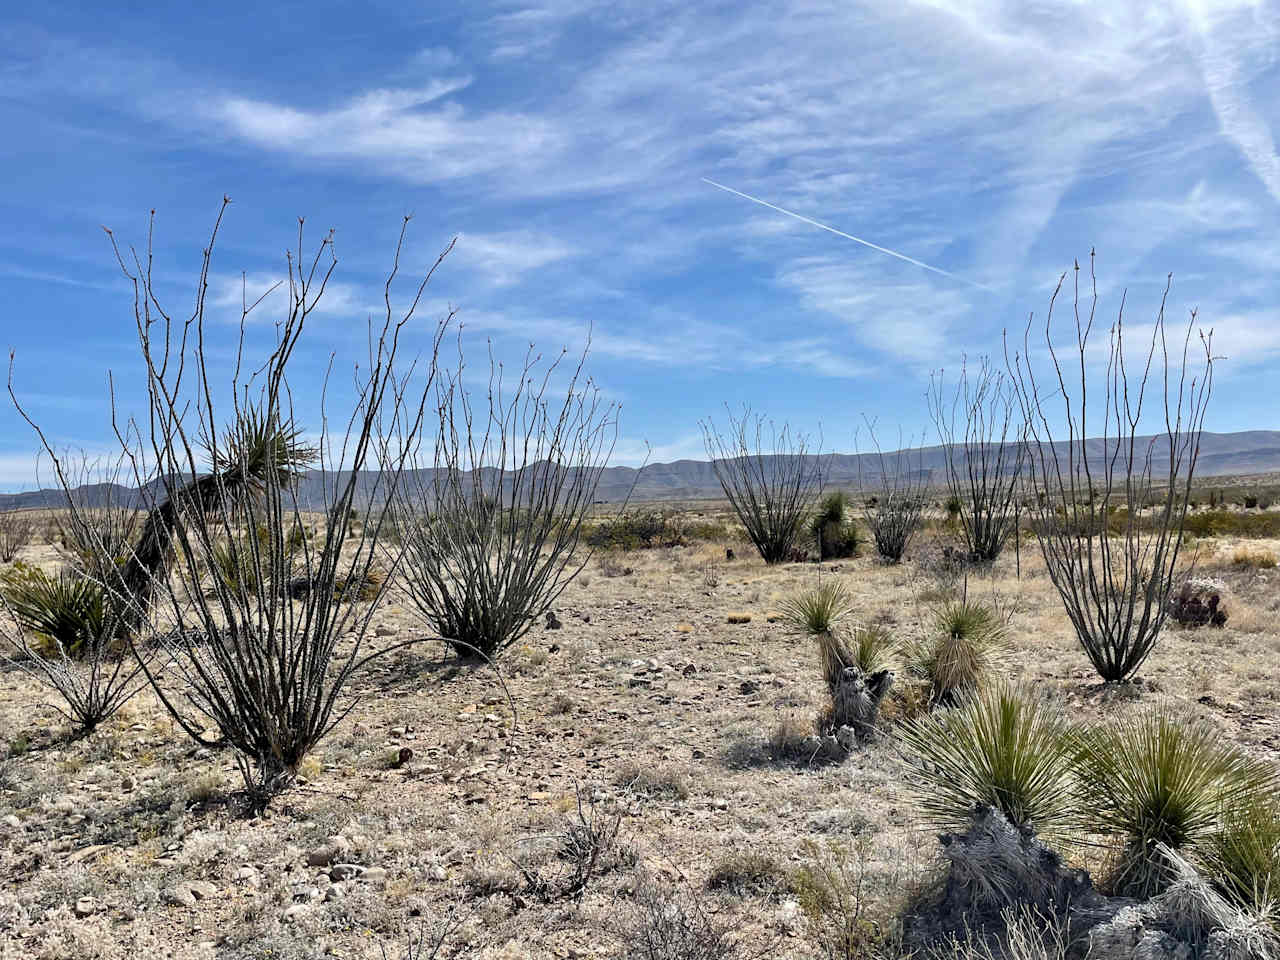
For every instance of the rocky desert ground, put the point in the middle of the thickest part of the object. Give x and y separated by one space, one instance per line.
449 798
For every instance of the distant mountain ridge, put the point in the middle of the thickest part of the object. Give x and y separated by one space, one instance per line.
1221 454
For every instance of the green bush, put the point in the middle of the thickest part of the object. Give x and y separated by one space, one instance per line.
635 531
64 611
1228 523
1001 747
1155 780
959 651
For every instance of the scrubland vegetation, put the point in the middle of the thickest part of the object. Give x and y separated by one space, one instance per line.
462 712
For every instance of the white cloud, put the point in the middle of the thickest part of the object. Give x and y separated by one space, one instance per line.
506 257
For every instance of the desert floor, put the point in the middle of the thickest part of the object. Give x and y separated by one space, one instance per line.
648 703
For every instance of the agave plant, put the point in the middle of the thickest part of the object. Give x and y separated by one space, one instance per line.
1157 781
1000 747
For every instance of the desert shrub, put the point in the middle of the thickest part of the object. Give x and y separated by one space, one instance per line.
748 874
818 610
1024 933
1242 856
835 891
16 530
635 531
653 781
586 848
663 922
1229 523
64 610
960 649
1157 781
893 520
489 550
1000 747
260 673
770 483
984 456
1114 588
1253 558
834 532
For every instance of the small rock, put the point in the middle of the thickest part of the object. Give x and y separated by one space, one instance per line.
87 907
202 889
374 875
11 821
293 912
246 874
438 873
345 871
749 686
180 896
384 631
126 784
328 852
335 892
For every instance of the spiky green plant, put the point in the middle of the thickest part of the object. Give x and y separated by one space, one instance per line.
817 611
959 650
64 610
834 533
1243 855
871 648
1001 747
1156 779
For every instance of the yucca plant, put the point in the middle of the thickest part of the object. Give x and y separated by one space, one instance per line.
871 648
1002 747
959 650
1156 780
834 533
1243 855
818 610
63 610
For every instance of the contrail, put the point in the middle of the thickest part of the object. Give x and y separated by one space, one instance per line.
847 236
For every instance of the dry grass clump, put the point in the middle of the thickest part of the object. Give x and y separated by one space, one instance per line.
846 920
1253 558
739 617
652 781
749 874
666 923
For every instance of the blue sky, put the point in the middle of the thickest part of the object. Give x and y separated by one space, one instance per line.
566 144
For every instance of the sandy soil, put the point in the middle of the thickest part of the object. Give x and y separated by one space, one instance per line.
647 704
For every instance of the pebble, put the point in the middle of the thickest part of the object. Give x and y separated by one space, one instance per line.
12 822
293 912
86 907
374 875
438 873
327 853
345 871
